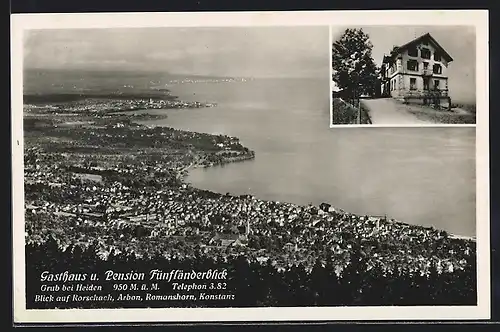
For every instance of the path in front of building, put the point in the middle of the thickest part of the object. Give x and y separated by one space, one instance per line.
387 111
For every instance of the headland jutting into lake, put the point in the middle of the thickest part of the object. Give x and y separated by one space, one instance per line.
102 190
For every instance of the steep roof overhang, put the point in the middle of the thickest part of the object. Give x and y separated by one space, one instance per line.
417 41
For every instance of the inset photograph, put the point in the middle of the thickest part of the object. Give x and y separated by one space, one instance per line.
403 75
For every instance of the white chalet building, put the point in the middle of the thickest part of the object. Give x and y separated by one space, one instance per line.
417 72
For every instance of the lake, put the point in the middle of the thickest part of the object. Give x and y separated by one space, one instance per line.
422 176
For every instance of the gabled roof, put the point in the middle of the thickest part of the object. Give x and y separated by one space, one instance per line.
416 41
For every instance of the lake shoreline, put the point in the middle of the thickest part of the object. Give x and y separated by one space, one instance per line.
186 171
302 160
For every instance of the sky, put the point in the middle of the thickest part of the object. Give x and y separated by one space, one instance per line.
458 41
227 51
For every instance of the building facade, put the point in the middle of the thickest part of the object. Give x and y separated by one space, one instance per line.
417 72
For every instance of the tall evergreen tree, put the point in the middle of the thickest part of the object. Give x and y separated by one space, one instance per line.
353 66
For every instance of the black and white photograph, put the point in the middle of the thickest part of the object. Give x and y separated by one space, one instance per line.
404 75
194 167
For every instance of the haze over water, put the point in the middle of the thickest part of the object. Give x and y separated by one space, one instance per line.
423 176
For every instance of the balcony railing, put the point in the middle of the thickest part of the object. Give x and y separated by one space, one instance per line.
427 72
437 93
427 93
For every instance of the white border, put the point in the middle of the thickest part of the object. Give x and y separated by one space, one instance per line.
19 23
400 125
330 67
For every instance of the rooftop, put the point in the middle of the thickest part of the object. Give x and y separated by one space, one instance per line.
399 49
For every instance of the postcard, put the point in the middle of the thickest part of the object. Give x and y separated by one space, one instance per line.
250 167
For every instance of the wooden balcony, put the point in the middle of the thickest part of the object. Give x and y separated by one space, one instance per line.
427 72
434 93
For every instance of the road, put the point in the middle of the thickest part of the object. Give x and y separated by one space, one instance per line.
387 111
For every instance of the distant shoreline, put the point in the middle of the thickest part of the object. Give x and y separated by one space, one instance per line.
34 98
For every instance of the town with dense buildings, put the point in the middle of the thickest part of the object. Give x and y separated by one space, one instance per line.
417 72
96 105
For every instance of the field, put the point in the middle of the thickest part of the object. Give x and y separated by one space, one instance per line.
467 106
442 116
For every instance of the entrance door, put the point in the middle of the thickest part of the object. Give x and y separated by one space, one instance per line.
436 84
426 83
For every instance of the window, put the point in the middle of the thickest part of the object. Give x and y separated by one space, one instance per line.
437 56
436 84
413 83
412 65
425 53
412 51
437 69
426 65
